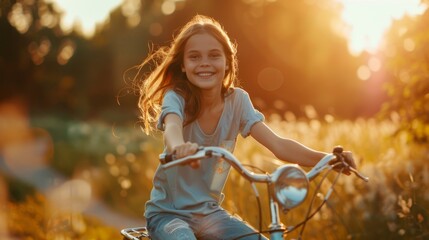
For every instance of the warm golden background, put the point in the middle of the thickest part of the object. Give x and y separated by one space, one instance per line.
74 163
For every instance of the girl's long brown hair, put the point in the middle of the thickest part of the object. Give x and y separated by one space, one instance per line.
167 73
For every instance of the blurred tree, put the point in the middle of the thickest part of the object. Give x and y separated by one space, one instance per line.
54 72
407 54
15 68
289 51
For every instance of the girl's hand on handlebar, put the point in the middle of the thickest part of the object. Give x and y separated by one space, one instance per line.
187 149
348 159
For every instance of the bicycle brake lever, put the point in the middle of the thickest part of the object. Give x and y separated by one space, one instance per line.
351 169
358 174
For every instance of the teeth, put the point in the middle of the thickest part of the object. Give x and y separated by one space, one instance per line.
205 74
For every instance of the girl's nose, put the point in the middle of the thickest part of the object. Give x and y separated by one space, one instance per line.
204 61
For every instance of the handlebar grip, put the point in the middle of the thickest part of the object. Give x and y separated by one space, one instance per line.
166 158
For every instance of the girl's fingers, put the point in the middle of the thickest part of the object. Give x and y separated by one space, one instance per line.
349 159
187 149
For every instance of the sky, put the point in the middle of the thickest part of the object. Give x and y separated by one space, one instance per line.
367 20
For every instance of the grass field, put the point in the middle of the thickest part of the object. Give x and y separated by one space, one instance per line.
394 204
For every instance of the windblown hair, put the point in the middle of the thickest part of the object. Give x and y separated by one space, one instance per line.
167 73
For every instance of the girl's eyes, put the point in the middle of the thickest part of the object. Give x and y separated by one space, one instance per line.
193 57
211 55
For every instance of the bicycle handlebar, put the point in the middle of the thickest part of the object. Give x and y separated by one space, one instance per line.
329 161
169 161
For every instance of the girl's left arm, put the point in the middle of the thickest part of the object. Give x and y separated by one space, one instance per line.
283 148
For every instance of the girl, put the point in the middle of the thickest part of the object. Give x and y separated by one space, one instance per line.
191 96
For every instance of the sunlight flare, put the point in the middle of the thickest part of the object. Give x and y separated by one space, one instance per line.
85 14
367 20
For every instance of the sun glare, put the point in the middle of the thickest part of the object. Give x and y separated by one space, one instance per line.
367 20
86 14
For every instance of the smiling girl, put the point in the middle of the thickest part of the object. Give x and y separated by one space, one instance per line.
191 96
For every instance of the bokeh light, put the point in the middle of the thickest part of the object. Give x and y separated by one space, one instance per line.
374 64
24 149
363 73
168 7
66 52
71 196
409 45
38 51
130 9
20 18
270 79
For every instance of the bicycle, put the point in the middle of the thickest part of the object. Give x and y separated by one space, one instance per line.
288 186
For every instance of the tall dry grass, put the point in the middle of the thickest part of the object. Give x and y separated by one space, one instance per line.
392 205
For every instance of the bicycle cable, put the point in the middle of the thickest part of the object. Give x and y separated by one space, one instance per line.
254 167
324 200
258 201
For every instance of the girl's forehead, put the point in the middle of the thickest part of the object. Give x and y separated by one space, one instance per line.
203 42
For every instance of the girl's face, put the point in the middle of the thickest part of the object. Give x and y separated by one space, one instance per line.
204 62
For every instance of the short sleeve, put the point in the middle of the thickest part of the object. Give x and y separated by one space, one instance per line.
249 115
171 103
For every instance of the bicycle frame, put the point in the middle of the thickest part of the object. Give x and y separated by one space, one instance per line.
278 179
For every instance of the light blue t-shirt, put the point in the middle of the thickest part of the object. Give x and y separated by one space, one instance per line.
184 190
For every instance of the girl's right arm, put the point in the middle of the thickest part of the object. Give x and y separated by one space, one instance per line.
173 138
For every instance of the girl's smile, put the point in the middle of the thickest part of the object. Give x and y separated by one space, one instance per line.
205 74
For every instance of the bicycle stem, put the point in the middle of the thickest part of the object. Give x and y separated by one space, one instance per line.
276 228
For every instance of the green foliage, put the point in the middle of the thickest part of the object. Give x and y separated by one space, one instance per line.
89 142
121 156
407 54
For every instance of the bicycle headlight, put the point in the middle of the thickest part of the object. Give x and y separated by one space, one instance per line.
290 186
